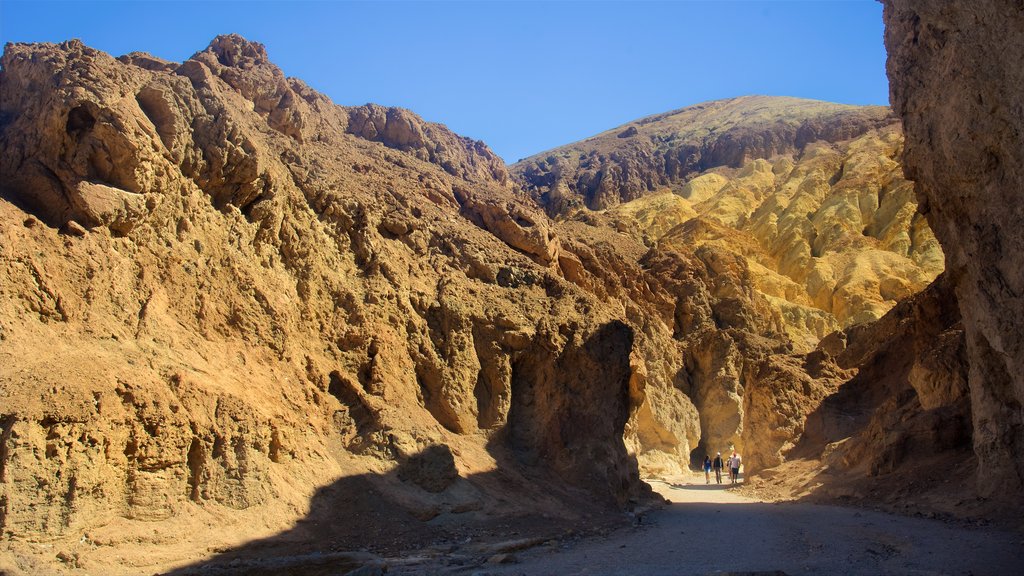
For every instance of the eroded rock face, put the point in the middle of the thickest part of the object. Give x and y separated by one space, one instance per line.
220 291
776 237
955 78
825 217
897 428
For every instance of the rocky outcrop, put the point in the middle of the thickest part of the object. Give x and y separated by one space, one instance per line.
246 293
955 77
751 263
895 428
401 129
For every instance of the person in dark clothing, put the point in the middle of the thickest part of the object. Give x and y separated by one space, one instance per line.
717 466
707 469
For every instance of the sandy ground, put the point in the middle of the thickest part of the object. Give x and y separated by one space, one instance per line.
713 530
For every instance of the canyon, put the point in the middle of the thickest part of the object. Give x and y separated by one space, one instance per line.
236 318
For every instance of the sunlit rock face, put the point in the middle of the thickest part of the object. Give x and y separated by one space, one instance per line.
810 194
775 225
955 77
933 413
220 292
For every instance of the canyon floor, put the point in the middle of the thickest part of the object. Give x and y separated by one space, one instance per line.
717 530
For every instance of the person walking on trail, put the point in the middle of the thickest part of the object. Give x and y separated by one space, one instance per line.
734 467
707 469
717 465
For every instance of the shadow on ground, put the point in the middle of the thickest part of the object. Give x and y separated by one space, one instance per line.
422 510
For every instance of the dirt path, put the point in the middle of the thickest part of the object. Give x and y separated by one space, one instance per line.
712 530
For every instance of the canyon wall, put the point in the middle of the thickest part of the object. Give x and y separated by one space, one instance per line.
955 78
220 293
805 229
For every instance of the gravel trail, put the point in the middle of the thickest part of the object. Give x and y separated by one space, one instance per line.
712 530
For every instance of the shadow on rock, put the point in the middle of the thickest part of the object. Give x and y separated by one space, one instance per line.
560 465
423 510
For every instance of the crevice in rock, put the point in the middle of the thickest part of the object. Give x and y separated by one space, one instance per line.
218 446
80 121
839 176
485 416
196 467
344 391
6 430
521 414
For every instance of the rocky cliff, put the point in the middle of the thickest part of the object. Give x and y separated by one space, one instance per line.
955 78
806 228
227 300
932 420
222 292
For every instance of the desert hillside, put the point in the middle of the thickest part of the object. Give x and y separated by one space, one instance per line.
231 309
811 194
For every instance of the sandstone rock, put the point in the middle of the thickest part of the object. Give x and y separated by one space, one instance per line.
147 61
112 207
401 129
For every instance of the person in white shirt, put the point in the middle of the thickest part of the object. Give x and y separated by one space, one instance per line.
734 467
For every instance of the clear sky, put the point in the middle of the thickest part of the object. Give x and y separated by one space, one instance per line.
522 76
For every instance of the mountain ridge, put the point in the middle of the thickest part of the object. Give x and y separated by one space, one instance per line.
667 149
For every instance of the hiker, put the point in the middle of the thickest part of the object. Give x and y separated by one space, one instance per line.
717 465
707 469
734 467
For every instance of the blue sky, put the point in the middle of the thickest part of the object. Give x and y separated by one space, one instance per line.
522 76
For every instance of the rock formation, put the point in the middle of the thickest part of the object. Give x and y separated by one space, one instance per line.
932 420
812 196
955 79
897 429
227 303
804 228
222 292
669 149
